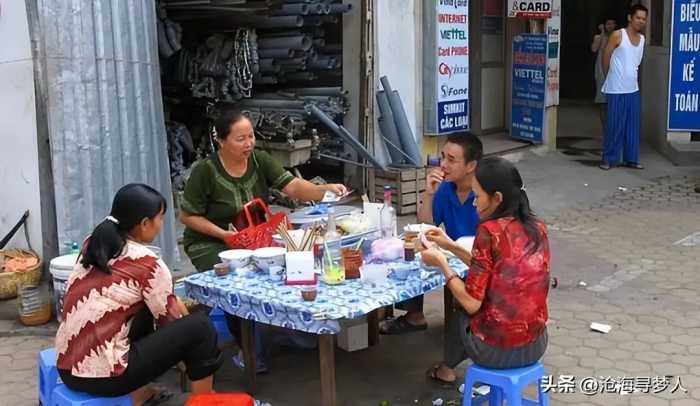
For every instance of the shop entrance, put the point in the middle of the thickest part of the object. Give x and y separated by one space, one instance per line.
580 127
293 68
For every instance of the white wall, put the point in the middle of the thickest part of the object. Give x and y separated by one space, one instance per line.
19 167
398 54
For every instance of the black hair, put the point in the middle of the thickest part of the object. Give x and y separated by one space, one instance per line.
496 174
223 124
638 7
132 203
470 143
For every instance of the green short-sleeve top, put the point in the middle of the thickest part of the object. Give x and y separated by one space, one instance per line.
219 197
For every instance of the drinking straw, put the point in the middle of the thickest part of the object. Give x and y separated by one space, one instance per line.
359 244
328 252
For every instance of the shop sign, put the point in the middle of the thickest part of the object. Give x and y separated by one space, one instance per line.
452 67
554 36
529 87
684 75
529 8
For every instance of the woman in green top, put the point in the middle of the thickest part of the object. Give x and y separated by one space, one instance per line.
220 185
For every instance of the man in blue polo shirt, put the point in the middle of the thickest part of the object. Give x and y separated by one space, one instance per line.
447 201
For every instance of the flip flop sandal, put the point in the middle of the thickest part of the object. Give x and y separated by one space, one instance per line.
432 373
399 326
159 398
260 368
634 165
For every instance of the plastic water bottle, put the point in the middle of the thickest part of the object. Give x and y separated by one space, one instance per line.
387 216
74 248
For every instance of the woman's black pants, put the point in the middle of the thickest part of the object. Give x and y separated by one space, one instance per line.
191 339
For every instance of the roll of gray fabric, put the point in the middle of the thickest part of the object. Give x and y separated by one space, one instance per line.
339 8
275 53
293 9
297 42
343 134
387 127
408 142
164 47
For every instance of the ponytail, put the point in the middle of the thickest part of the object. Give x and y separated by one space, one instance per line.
496 174
530 222
132 203
105 243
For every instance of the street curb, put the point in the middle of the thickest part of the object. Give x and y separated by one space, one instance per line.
12 328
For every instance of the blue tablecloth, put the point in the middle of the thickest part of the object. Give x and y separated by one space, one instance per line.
260 299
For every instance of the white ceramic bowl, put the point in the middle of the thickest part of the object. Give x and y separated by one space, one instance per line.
374 273
236 258
270 256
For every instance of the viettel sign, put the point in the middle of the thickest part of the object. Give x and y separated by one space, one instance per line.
529 8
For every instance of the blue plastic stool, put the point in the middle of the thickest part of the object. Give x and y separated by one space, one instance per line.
62 396
48 375
218 319
506 384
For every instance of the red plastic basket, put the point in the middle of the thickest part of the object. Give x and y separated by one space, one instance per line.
220 399
256 235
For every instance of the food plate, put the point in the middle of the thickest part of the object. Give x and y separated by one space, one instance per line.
305 217
417 228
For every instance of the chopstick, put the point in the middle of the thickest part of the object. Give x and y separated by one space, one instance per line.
304 238
307 240
282 230
308 235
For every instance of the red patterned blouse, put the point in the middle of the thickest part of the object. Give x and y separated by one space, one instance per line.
93 338
511 281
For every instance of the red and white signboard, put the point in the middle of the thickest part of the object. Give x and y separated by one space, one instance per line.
529 8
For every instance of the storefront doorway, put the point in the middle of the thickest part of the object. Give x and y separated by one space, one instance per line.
490 76
580 129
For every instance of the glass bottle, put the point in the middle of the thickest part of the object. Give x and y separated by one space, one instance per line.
387 216
333 267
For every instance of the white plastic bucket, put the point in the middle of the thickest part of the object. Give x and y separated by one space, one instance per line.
61 269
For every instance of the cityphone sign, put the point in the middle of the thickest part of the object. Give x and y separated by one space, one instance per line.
452 67
684 82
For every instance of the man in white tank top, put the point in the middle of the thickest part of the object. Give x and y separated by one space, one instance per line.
621 61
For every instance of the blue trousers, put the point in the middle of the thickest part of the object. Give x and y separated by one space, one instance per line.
622 129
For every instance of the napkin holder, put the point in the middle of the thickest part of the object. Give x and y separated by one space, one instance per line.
300 268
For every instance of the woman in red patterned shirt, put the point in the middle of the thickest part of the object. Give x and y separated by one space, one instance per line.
119 291
503 301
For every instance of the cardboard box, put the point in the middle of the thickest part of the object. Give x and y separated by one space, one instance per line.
354 334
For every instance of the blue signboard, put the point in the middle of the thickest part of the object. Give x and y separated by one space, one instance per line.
452 76
529 87
684 86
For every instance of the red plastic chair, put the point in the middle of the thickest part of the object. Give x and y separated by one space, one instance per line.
220 399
